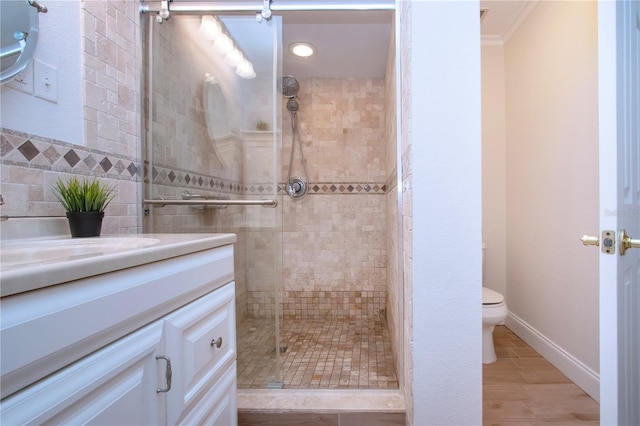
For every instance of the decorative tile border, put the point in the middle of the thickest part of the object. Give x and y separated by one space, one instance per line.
17 148
175 177
392 181
168 176
22 149
337 188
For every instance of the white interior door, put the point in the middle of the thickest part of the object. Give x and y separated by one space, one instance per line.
618 45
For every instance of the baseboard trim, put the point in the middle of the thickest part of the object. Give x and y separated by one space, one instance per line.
583 376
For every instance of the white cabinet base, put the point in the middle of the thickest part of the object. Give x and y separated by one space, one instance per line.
182 313
116 385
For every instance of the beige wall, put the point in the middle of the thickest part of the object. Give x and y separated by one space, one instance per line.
552 176
494 164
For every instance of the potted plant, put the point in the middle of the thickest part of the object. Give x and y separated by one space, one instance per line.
84 202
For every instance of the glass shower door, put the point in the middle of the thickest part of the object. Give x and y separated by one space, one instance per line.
212 114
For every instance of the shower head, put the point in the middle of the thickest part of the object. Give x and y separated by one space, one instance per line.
289 86
292 104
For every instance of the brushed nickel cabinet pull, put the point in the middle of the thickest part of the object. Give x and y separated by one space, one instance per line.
168 373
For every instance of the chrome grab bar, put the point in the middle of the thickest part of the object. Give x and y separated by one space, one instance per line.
186 195
206 202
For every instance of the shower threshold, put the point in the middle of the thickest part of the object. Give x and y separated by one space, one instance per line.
321 400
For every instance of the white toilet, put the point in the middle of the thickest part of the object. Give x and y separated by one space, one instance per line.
494 311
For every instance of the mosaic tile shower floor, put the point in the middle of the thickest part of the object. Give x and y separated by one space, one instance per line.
317 354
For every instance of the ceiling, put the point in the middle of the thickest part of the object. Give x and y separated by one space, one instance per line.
348 43
355 43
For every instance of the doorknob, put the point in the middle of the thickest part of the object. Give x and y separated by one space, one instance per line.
626 242
608 241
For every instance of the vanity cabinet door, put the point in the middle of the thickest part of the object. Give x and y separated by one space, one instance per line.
218 406
200 340
115 385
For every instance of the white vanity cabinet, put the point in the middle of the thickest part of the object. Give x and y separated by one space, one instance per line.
114 386
200 341
149 345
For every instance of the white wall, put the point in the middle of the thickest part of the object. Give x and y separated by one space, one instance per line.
441 87
59 42
494 169
552 185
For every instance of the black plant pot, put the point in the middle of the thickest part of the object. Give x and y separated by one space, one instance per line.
85 224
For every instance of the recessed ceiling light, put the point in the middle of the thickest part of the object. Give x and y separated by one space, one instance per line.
302 49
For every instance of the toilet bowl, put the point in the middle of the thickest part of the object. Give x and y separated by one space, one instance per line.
494 311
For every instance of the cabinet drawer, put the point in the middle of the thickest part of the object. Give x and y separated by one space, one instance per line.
202 340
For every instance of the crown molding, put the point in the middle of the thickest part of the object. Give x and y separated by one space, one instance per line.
517 22
491 40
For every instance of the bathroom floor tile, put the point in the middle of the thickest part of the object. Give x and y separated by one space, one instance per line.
504 370
561 402
316 354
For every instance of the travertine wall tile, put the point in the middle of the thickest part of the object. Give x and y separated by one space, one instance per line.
407 242
110 152
334 239
31 165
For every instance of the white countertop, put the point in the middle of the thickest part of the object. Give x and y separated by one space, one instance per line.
62 259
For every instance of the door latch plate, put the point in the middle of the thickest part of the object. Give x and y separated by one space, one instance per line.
608 242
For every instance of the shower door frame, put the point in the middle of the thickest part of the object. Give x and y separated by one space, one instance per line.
158 7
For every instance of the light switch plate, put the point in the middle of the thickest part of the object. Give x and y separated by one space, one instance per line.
23 82
45 81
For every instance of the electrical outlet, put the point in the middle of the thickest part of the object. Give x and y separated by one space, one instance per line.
45 81
23 82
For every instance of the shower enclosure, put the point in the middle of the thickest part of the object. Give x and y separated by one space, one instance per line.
302 169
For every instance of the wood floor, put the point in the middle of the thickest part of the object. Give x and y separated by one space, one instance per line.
522 388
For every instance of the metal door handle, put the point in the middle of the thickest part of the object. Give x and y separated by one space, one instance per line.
626 242
168 373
